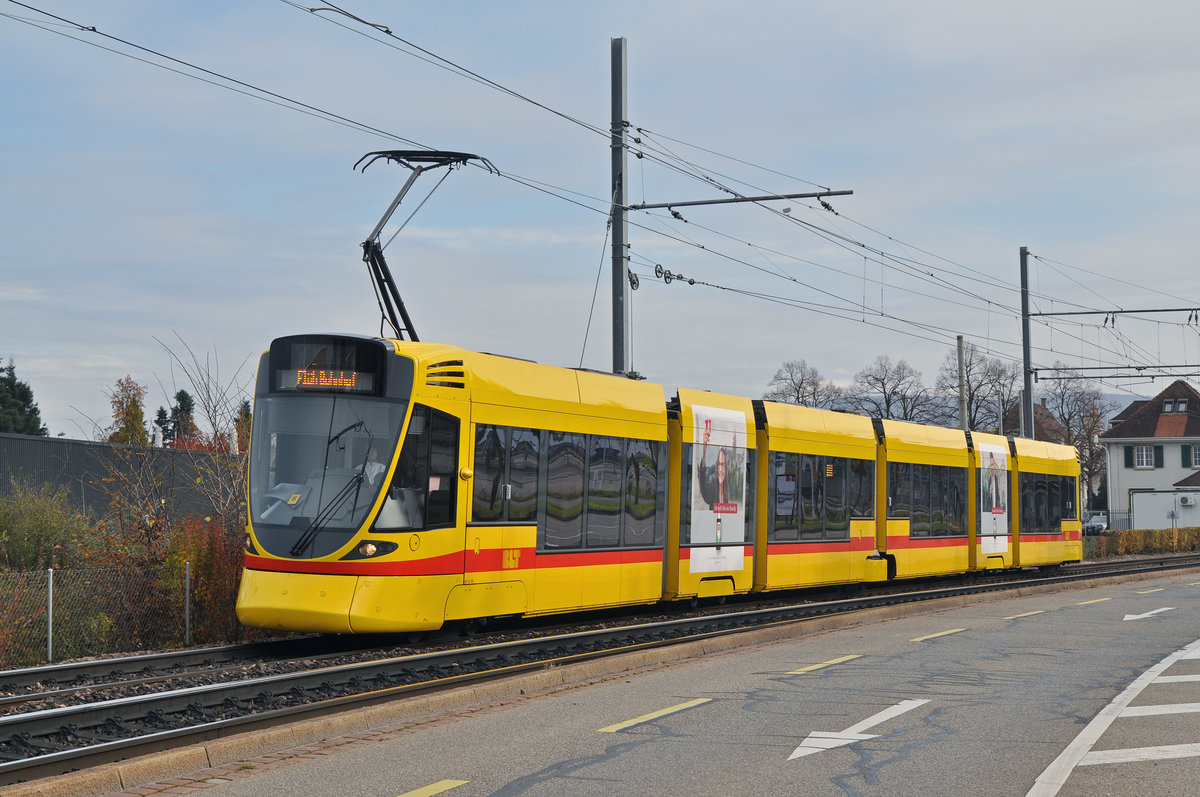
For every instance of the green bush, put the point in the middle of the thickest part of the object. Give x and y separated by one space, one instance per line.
39 528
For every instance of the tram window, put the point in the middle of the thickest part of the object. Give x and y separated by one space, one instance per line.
939 497
1054 503
1027 496
956 509
506 474
785 524
488 492
860 488
422 492
605 458
523 475
1070 498
443 469
899 490
564 491
1041 518
1032 497
751 494
812 490
837 518
641 493
919 527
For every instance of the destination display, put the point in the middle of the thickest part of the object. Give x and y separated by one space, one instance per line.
328 380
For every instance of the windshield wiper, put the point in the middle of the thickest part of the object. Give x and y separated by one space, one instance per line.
325 515
350 428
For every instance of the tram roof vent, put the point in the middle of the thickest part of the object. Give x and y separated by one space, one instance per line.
446 374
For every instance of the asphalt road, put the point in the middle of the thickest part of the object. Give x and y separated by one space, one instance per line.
1077 692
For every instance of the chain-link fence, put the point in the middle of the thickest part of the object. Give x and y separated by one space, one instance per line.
54 615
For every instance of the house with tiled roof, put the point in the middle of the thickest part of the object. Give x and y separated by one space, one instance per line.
1045 426
1153 452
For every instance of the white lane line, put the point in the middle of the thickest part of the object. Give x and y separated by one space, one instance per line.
1168 708
1055 775
1134 754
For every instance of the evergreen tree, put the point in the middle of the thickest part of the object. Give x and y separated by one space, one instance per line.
19 413
163 421
241 426
183 423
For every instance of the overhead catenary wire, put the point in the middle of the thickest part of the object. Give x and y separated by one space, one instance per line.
259 92
647 149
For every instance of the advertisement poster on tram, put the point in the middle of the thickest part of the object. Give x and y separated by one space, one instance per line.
993 499
718 489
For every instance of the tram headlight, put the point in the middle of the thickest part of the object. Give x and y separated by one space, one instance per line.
370 549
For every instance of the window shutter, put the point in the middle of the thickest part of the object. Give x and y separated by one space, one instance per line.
1186 451
1158 456
1129 456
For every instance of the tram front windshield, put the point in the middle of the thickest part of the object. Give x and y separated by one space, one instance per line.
318 461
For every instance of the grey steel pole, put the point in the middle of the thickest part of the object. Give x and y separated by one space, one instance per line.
49 616
187 604
962 387
620 225
1027 399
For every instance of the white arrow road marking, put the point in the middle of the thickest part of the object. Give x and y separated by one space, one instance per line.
1149 614
823 740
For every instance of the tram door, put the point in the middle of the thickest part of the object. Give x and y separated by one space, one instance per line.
500 539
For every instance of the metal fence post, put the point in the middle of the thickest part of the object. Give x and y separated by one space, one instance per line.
187 604
49 616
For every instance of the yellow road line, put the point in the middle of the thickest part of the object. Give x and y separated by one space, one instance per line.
435 788
1026 614
1098 600
653 715
1148 591
824 664
938 634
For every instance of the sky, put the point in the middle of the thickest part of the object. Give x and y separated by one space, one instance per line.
154 209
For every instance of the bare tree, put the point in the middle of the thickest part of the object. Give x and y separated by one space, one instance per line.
978 388
894 390
1081 409
1008 383
992 385
222 406
797 383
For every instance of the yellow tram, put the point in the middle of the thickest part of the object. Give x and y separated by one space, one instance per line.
397 486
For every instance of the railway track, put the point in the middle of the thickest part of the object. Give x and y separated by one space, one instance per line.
72 716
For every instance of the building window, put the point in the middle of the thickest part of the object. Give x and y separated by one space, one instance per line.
1143 456
1181 405
1169 405
1191 456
